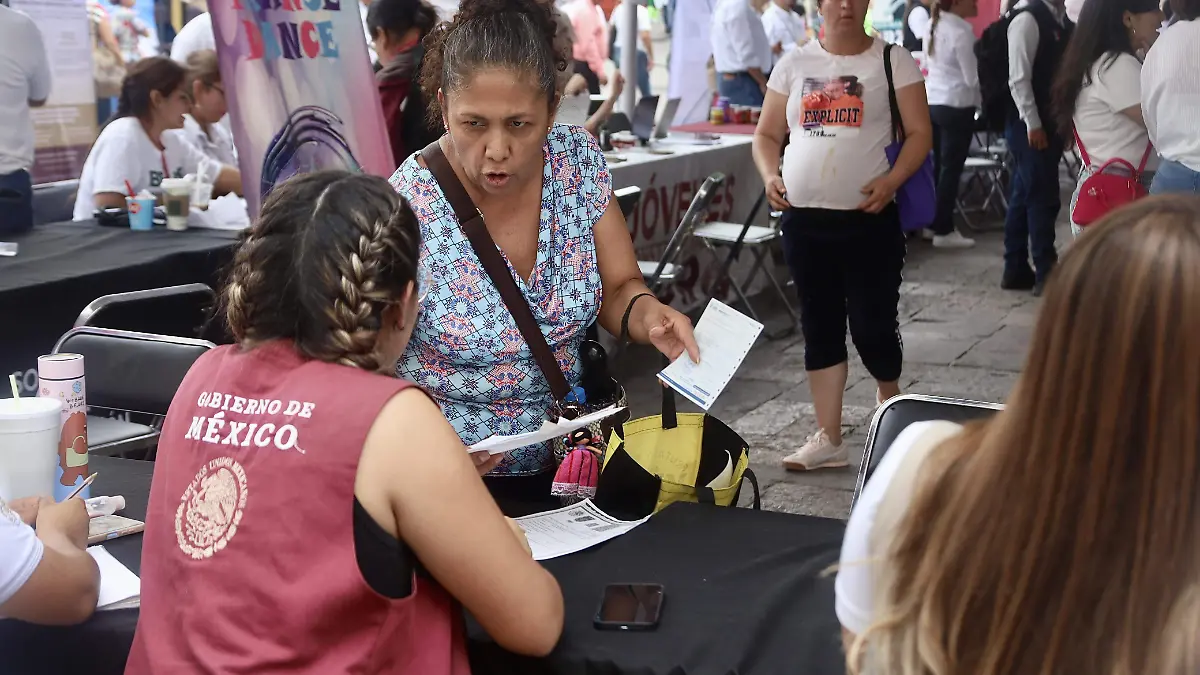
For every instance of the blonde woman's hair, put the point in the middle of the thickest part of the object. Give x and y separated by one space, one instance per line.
1060 537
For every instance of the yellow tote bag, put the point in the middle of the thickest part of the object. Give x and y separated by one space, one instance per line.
655 461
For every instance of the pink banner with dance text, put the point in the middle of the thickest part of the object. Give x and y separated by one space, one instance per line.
300 89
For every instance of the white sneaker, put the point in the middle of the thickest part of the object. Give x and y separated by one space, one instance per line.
817 453
927 234
952 240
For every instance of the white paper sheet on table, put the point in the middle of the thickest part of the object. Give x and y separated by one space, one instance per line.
223 213
496 445
119 587
724 336
572 528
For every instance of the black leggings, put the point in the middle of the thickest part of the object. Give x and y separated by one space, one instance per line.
847 264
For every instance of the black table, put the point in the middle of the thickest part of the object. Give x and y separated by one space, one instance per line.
62 267
745 596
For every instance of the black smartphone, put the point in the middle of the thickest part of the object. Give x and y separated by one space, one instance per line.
630 607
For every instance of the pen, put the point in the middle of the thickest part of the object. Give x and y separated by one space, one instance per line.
80 488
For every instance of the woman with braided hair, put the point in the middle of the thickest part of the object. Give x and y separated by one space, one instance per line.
302 494
544 193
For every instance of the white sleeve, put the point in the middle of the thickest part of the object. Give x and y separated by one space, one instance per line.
115 164
1119 83
905 70
1023 39
741 39
964 49
184 153
39 76
918 22
853 589
643 19
20 553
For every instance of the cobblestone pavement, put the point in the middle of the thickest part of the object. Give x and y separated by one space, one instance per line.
963 337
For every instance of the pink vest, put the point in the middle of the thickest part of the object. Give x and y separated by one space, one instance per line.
248 564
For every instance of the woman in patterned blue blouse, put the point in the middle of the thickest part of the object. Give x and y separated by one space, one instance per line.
545 194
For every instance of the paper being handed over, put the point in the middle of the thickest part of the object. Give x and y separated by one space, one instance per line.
572 528
496 445
724 336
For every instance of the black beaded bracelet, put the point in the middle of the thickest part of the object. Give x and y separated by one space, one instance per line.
629 310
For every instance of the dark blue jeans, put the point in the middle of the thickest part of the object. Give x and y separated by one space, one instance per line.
952 130
16 203
740 90
643 69
1033 203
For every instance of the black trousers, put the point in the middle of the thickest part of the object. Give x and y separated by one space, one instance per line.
952 131
848 265
593 80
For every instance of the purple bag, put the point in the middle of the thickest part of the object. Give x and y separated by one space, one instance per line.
917 197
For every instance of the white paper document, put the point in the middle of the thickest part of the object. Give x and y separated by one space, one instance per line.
500 444
724 336
572 528
119 587
223 213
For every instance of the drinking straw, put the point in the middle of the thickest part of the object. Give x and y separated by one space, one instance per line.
12 381
129 187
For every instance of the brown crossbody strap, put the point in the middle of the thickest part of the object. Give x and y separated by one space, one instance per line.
471 221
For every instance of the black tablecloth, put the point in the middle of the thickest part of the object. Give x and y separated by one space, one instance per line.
744 596
62 267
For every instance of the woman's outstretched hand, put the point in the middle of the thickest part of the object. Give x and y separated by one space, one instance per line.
670 332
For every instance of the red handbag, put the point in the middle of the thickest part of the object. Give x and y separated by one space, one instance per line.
1102 192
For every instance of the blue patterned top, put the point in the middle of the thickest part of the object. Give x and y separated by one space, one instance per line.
466 350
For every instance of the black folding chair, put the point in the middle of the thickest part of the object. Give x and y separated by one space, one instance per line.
54 202
660 274
182 311
129 372
898 413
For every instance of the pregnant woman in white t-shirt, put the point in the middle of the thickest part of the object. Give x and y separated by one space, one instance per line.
1098 91
1059 536
841 226
133 152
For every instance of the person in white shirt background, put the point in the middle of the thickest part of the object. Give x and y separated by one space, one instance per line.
741 52
1171 101
24 84
46 575
200 128
953 87
1037 37
195 35
841 226
645 45
133 152
784 27
1098 89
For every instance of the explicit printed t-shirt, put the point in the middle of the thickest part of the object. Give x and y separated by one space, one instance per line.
840 121
20 553
124 152
1106 132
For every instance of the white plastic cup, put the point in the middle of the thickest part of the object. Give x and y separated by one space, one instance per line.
29 430
201 195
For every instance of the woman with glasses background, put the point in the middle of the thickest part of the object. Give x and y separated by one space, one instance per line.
200 128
